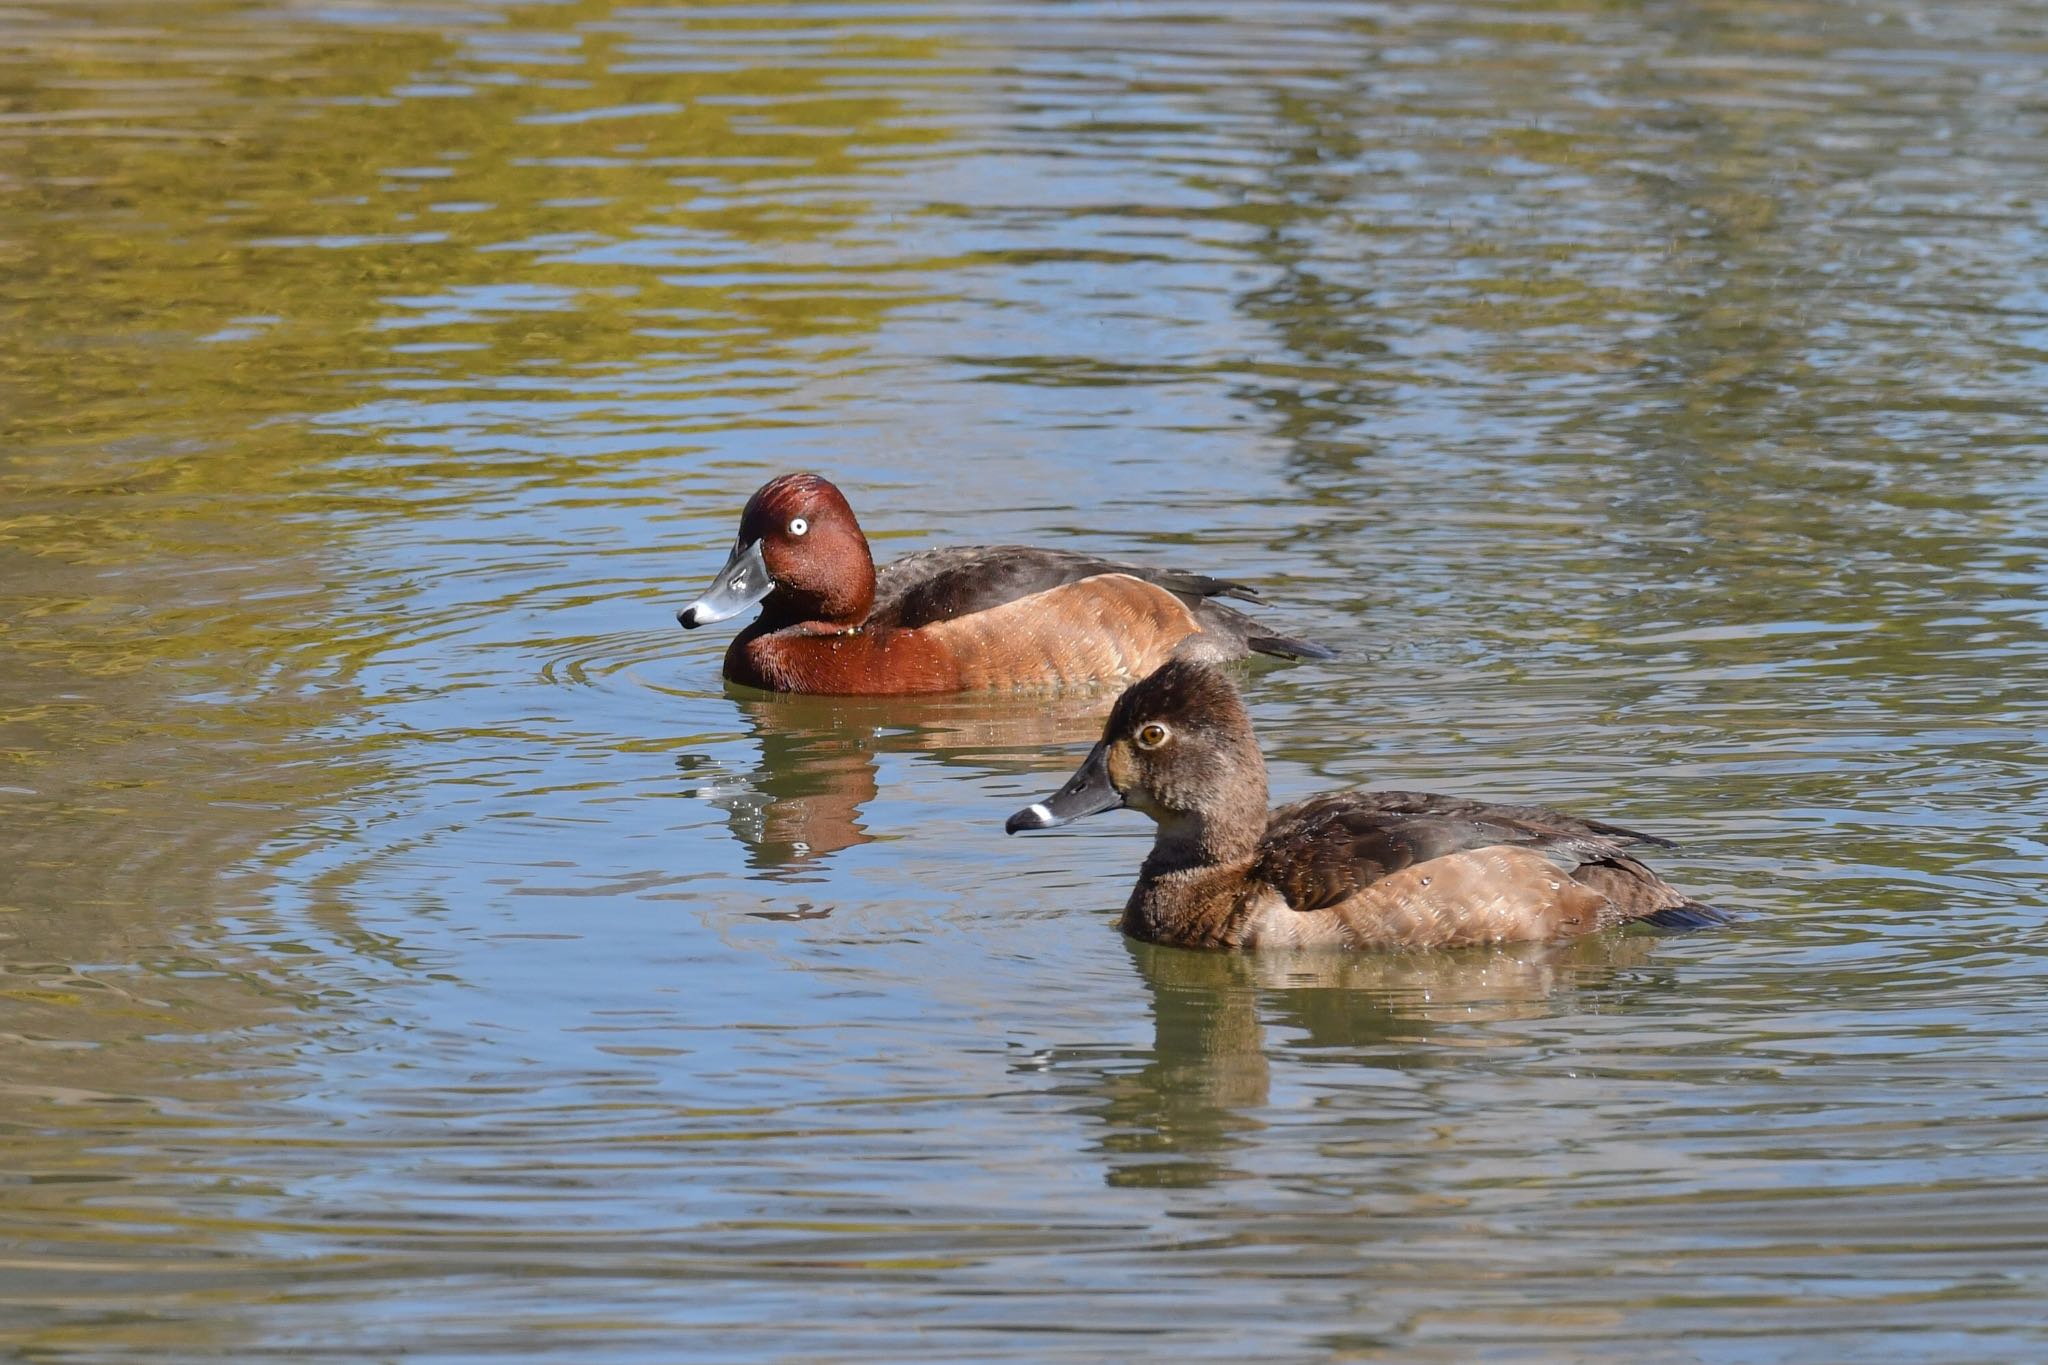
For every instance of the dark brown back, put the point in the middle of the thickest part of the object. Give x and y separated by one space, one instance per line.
946 584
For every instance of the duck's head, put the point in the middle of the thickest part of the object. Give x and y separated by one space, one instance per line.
800 553
1179 747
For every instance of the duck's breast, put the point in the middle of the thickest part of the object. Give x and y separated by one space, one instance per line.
859 663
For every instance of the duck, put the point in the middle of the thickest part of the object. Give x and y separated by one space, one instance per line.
1362 870
969 618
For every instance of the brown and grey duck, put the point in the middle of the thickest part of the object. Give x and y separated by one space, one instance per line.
1360 870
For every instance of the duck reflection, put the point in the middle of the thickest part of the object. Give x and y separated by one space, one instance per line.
803 800
1178 1120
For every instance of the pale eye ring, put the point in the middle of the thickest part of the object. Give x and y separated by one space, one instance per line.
797 526
1152 734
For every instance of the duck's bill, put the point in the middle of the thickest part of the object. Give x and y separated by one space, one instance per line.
1088 792
740 584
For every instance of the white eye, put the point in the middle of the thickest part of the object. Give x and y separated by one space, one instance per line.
798 526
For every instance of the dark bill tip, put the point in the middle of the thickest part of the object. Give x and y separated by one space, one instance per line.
1034 816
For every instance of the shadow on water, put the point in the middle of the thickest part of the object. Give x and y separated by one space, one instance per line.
819 759
1219 1019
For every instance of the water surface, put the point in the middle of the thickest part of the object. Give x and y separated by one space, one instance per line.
409 948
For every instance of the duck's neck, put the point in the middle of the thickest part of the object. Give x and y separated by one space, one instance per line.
1191 889
832 590
1223 825
814 615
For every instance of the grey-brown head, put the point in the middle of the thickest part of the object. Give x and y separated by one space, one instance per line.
1178 746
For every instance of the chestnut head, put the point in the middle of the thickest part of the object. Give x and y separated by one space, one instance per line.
800 553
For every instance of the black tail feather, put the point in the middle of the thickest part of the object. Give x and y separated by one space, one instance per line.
1625 834
1193 587
1288 647
1691 915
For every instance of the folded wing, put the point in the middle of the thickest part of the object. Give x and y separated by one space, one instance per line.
946 584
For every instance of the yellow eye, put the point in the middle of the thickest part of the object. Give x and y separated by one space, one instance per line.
1151 735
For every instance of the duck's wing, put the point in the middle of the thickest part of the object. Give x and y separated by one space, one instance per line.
1324 851
1537 820
947 584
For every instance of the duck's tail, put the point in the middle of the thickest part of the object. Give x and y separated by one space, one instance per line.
1286 646
1688 916
1228 634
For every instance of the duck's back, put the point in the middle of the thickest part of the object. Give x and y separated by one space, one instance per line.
959 580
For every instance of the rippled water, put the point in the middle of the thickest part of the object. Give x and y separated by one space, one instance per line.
411 949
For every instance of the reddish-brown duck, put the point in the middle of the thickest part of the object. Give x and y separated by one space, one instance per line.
967 618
